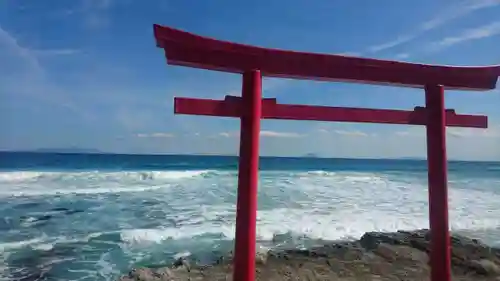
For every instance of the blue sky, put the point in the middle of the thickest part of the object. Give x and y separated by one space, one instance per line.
88 74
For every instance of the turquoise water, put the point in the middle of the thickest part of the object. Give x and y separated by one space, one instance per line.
94 217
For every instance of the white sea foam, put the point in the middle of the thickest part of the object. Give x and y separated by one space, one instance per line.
327 205
41 243
102 190
362 203
19 244
336 206
19 176
90 182
174 210
148 236
27 176
182 255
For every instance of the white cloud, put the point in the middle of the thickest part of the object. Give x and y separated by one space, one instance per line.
454 132
277 134
391 44
492 132
404 133
270 134
226 135
351 133
155 135
274 134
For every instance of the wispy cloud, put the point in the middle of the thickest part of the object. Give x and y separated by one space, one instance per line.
454 12
156 135
492 132
274 134
94 13
391 44
351 133
269 134
350 54
56 52
13 50
278 134
402 56
465 8
406 133
97 4
20 63
476 33
452 132
348 132
227 135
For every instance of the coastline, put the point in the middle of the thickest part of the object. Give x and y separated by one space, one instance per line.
398 255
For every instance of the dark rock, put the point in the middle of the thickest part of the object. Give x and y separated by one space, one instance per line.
44 218
182 262
485 267
261 257
401 255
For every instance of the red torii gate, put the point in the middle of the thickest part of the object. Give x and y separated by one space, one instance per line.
186 49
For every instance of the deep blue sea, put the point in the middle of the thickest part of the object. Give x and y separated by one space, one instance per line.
96 216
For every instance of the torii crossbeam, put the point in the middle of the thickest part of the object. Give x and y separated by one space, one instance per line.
186 49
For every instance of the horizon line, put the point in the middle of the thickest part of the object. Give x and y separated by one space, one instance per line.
98 152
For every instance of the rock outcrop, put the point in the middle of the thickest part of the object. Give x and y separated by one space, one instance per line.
401 255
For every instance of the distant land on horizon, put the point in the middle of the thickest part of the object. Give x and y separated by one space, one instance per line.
76 150
311 155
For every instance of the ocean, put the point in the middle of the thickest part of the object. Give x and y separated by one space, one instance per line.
96 216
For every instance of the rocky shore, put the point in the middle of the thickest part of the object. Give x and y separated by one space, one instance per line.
401 255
